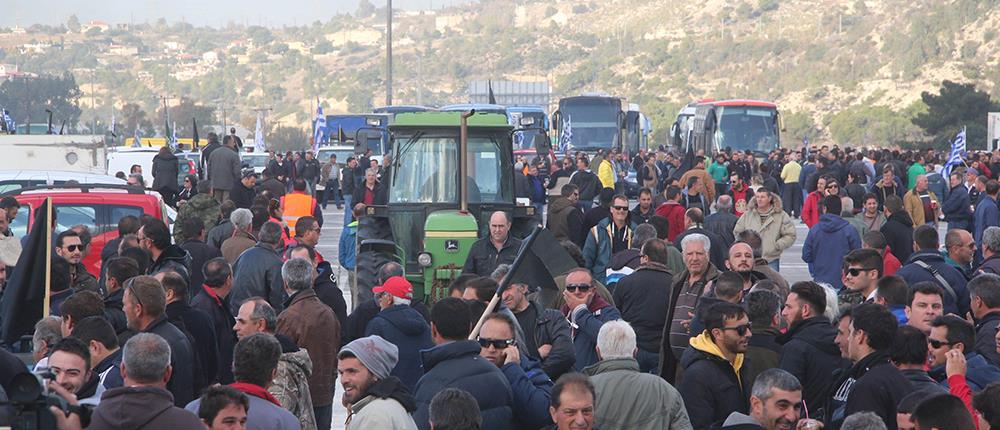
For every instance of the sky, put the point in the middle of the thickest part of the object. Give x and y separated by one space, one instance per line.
216 13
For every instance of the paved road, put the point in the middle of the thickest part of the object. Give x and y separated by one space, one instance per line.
792 267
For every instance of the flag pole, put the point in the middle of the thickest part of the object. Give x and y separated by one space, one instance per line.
48 256
525 249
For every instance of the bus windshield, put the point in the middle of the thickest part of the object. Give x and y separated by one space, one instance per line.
746 127
591 124
426 171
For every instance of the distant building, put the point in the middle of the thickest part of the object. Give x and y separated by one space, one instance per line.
511 92
123 50
100 25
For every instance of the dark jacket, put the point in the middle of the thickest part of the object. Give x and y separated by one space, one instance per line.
598 246
986 332
218 310
531 388
551 328
181 383
347 184
458 365
310 169
224 169
273 187
484 258
587 183
406 328
921 381
586 324
825 247
242 196
912 273
257 273
141 408
644 299
763 352
356 323
206 153
898 231
328 291
200 253
636 216
165 172
218 234
595 215
173 259
722 224
113 311
313 326
978 374
565 220
956 207
987 215
809 352
201 328
710 388
872 384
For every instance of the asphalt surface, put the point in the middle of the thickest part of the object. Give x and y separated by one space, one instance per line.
792 268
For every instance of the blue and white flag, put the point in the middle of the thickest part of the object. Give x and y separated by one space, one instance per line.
137 138
319 131
9 122
567 135
114 126
172 139
258 136
957 153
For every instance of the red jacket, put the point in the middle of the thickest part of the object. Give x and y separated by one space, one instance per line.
890 264
674 213
810 210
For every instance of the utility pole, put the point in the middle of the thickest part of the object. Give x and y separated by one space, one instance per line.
165 99
388 53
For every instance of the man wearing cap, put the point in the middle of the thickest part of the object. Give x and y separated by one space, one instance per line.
402 326
374 398
243 193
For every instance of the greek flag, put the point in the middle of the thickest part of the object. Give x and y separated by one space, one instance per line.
258 136
567 135
172 140
319 132
9 122
137 138
114 126
957 153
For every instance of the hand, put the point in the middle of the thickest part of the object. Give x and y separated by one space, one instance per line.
955 364
809 424
687 323
512 355
544 350
63 421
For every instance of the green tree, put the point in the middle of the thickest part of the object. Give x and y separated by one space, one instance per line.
28 98
955 106
798 125
259 35
365 9
73 23
182 113
287 139
134 116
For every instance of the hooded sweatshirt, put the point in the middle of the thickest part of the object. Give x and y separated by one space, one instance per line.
712 386
404 327
147 408
825 247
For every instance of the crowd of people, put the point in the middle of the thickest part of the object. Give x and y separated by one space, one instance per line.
677 315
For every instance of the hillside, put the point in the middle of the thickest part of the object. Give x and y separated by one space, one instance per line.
850 71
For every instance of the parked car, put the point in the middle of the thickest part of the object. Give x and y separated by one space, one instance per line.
121 159
256 160
11 180
99 207
342 151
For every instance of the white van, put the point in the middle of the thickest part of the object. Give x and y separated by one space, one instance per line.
11 180
121 159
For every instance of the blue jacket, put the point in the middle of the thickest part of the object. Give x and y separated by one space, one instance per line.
532 390
912 273
826 245
458 365
987 215
597 249
956 206
586 323
404 327
978 374
346 250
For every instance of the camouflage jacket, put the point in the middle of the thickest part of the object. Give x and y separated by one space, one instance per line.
201 206
291 386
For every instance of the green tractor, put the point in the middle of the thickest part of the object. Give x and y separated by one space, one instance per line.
448 173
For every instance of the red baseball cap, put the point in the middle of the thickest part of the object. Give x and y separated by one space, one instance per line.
397 286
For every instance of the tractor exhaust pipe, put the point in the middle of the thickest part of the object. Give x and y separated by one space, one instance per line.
463 162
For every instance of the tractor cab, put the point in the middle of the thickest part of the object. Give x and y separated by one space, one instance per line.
449 172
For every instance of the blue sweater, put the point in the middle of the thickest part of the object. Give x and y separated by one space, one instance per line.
826 245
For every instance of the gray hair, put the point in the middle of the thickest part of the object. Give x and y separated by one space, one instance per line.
846 206
297 274
832 305
866 420
643 233
616 339
400 301
270 233
47 329
724 203
501 271
262 310
146 357
991 239
241 218
987 287
696 237
771 379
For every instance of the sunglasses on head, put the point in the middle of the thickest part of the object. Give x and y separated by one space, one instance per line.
582 287
740 329
74 248
857 271
937 343
497 343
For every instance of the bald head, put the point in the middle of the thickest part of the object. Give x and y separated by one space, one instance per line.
499 227
724 203
740 257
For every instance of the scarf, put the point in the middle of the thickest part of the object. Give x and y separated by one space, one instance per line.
211 293
256 391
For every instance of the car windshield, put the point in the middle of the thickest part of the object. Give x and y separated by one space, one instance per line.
342 154
590 125
426 171
255 160
742 128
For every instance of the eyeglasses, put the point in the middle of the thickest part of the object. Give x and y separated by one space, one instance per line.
740 329
582 287
620 208
938 343
74 248
855 271
497 343
832 186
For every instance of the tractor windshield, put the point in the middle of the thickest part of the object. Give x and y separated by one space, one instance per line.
426 170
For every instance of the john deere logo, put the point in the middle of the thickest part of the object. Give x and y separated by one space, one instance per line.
451 246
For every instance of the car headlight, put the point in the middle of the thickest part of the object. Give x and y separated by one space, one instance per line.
424 259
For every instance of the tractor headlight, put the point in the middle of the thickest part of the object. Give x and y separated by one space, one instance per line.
424 259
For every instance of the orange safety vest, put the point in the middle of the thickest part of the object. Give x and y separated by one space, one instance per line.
295 206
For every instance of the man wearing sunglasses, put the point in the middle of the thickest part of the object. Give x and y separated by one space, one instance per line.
587 312
70 246
529 384
611 235
863 268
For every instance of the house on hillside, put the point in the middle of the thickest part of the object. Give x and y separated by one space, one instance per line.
99 25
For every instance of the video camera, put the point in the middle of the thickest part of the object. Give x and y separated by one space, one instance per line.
28 401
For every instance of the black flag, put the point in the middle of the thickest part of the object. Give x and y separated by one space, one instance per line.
194 124
686 164
24 298
62 127
493 98
49 130
341 136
